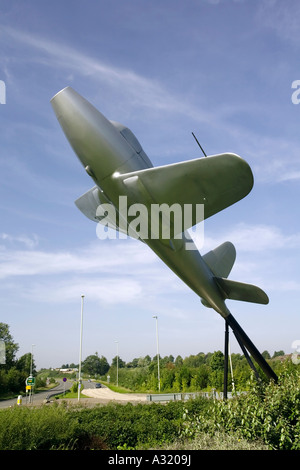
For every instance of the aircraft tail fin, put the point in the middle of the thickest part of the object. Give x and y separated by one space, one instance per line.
239 291
221 259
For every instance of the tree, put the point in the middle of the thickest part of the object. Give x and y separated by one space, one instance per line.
147 359
178 361
266 355
104 366
24 364
120 361
134 363
217 369
143 362
217 361
11 348
203 376
278 353
93 365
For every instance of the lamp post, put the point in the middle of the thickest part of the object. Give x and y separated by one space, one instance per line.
31 361
117 362
80 349
158 375
31 367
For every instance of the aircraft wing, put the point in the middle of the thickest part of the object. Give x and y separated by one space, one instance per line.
88 204
217 182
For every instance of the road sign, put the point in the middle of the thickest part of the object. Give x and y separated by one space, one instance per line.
30 381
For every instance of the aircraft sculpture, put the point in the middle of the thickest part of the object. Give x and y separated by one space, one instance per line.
113 157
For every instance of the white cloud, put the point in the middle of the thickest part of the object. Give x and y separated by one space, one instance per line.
142 92
282 17
255 239
130 271
29 242
98 257
139 91
110 291
110 273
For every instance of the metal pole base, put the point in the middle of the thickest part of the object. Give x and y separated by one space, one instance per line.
243 339
226 361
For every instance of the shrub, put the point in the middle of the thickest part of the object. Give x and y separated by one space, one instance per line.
26 428
117 424
267 412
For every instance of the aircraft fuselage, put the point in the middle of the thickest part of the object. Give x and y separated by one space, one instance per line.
105 152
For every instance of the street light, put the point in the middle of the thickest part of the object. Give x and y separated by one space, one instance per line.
117 362
158 375
31 366
80 349
31 361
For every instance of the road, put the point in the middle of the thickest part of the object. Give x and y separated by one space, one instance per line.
37 398
101 395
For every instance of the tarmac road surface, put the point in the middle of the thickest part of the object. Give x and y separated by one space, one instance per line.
101 395
37 398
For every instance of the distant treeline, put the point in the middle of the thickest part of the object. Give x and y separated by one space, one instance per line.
13 370
193 373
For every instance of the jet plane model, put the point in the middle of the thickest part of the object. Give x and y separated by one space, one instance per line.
114 159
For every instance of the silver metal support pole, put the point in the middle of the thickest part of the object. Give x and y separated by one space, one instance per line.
158 373
80 349
117 362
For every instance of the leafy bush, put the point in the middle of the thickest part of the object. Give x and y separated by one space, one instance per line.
117 424
102 427
24 428
268 412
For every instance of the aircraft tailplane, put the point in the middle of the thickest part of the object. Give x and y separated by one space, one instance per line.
239 291
220 261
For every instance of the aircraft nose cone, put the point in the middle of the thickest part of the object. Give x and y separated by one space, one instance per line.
96 141
61 100
70 109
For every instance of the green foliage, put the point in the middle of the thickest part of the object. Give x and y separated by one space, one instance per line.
106 427
14 372
268 416
74 388
193 373
23 428
268 412
11 348
95 365
119 426
12 381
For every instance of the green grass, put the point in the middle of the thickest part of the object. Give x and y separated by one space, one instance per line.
70 395
117 389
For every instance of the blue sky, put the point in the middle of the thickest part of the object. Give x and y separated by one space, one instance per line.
221 69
